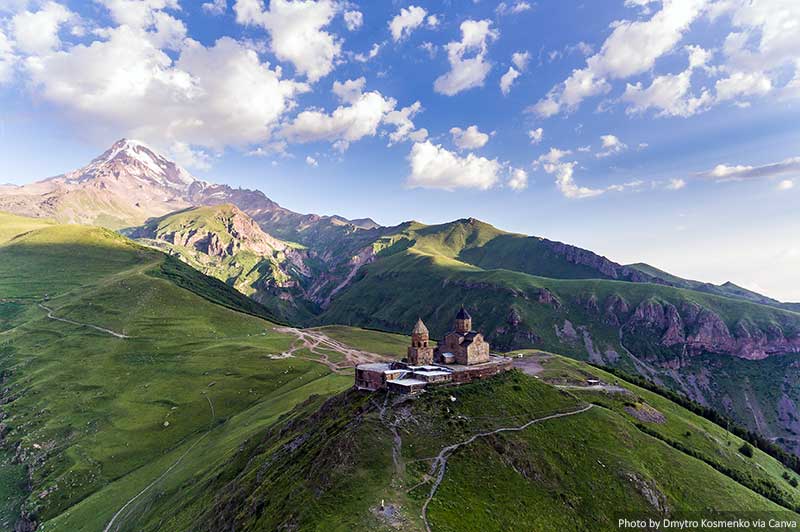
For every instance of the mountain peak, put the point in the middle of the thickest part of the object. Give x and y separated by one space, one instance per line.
133 160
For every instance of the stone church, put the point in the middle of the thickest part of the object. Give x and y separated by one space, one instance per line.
461 346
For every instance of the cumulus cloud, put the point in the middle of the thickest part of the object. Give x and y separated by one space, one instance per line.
216 7
670 94
611 145
786 184
508 80
554 163
741 84
37 32
518 179
433 166
353 20
404 127
297 34
361 116
521 59
409 19
209 96
310 161
536 135
469 139
631 49
467 72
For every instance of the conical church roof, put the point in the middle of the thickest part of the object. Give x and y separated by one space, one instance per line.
463 314
420 328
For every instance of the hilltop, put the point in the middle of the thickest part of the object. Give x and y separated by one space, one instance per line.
508 453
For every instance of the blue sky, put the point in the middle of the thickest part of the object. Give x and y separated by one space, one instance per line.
646 130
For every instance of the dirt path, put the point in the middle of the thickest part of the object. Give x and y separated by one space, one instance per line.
119 513
79 324
439 464
316 341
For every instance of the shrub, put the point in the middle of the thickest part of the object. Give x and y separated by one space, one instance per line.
746 449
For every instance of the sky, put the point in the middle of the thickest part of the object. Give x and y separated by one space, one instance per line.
658 131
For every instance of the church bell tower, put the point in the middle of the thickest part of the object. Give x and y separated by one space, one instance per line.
420 353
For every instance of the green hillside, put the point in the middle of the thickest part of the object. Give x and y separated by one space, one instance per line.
122 367
362 461
224 243
430 271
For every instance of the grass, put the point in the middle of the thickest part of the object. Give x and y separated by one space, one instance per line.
328 466
101 415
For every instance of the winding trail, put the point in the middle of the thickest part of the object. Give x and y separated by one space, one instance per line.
116 516
315 341
440 462
79 324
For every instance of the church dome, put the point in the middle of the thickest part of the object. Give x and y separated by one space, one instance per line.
463 314
420 328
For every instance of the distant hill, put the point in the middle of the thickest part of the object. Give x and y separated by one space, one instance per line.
727 289
225 243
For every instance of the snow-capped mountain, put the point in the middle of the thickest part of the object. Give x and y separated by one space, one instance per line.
132 159
131 182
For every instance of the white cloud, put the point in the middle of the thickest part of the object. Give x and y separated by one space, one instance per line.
432 21
518 179
766 40
349 91
373 52
515 8
8 59
467 73
676 184
216 7
430 48
521 59
404 127
724 172
310 161
211 97
508 79
786 184
409 19
631 49
553 162
353 20
536 135
361 117
37 32
743 84
611 145
296 31
185 156
433 166
670 94
469 139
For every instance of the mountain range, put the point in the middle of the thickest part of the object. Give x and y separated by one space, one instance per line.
527 292
155 375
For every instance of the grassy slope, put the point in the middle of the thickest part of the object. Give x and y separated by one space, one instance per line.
329 469
250 273
100 416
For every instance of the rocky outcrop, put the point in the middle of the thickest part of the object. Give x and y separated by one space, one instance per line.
607 268
699 330
615 310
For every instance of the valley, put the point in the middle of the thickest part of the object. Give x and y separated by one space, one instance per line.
188 365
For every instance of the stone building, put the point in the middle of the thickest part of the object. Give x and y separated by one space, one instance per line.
463 356
462 345
420 353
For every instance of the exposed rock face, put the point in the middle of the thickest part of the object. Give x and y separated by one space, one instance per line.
610 269
699 330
